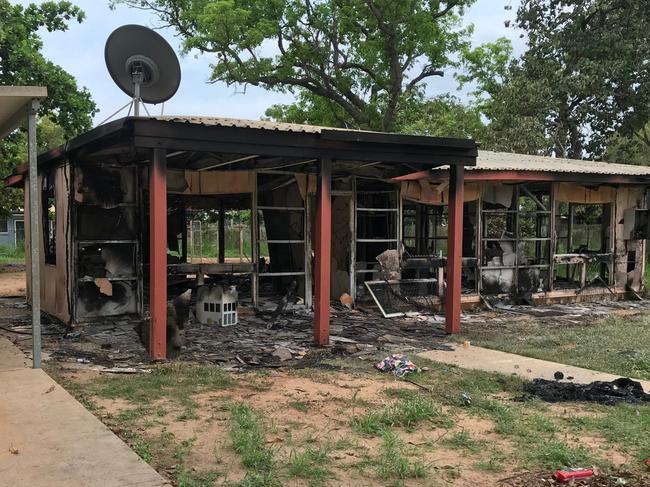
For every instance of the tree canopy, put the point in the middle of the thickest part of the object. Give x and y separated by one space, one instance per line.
358 62
22 62
68 109
582 84
584 77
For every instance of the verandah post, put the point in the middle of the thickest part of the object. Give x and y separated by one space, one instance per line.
454 249
323 252
158 255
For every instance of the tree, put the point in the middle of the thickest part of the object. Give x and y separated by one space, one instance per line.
443 116
630 150
68 109
585 76
22 63
357 62
510 106
13 151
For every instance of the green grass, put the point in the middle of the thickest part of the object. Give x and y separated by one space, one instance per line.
524 435
247 436
12 255
311 465
624 426
394 464
189 478
176 381
495 462
553 454
537 438
406 412
462 440
616 344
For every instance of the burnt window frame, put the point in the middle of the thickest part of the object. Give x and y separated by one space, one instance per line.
602 267
530 200
48 200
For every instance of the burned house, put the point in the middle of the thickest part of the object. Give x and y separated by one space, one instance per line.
320 206
536 229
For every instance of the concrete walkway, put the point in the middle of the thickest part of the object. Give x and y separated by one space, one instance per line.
479 358
48 439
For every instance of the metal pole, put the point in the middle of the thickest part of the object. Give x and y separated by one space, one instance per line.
136 99
255 250
221 234
34 234
309 295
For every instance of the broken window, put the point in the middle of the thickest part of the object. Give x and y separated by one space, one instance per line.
106 241
377 213
425 229
209 229
281 233
342 241
583 244
516 243
49 217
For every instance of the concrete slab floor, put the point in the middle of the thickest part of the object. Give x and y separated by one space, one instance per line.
47 438
479 358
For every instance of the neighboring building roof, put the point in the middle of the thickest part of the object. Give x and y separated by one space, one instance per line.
506 166
505 161
13 104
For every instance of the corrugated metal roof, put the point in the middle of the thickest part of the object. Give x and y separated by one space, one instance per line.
252 124
487 160
505 161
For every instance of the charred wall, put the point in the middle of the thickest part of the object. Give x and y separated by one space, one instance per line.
55 272
106 241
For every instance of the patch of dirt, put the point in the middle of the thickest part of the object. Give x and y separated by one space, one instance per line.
310 408
12 283
595 443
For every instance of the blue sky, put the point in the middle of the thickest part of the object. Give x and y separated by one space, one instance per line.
80 51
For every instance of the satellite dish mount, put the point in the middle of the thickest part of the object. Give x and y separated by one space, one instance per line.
144 71
143 65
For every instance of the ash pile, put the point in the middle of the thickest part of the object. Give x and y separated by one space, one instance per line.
618 391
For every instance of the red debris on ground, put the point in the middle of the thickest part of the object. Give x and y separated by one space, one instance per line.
545 479
566 476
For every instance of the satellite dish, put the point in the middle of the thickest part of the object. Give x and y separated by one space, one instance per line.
142 64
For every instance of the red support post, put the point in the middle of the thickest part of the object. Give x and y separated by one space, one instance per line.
158 255
454 250
323 253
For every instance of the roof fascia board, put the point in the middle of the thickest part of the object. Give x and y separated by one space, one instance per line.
426 158
238 140
99 135
400 139
546 176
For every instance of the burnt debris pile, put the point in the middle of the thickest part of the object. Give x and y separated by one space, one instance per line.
621 390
